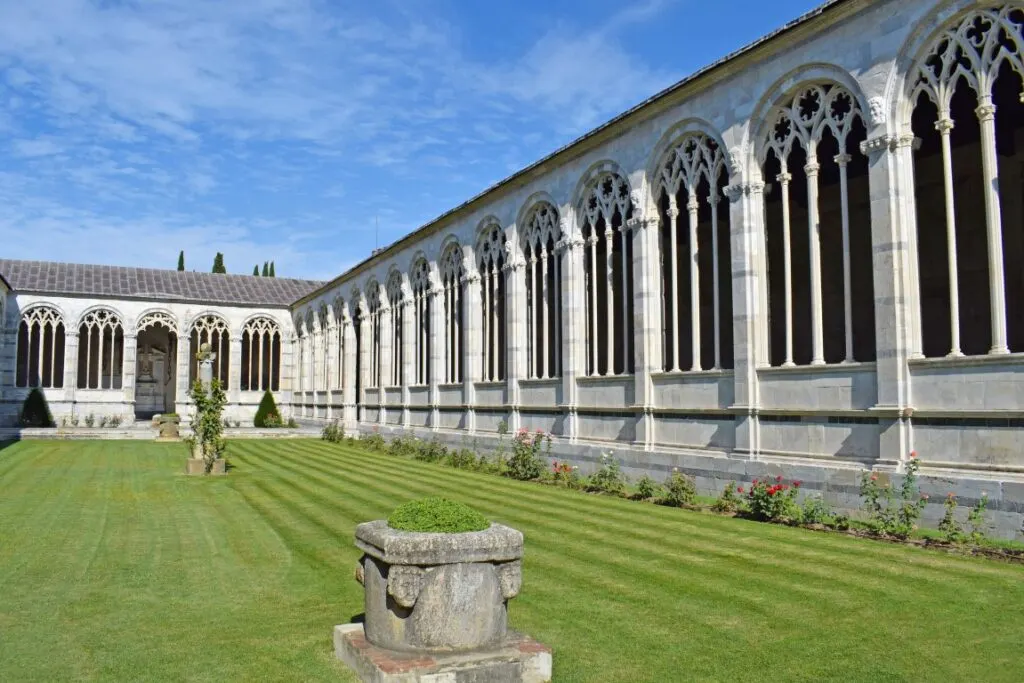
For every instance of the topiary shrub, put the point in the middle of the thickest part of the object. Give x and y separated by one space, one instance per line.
267 415
35 412
437 515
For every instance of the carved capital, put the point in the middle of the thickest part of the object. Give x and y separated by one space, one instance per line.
812 168
843 159
784 177
640 223
986 112
876 145
734 192
944 124
471 276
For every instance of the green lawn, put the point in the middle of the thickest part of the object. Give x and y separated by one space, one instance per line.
113 565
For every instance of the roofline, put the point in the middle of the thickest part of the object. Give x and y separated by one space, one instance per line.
701 78
155 298
6 283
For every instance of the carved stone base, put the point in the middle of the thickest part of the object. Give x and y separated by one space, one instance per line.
518 659
198 466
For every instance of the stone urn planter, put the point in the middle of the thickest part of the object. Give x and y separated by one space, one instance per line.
437 603
168 426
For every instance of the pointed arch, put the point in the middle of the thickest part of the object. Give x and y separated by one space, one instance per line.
261 354
210 328
540 233
688 182
604 206
39 351
490 262
100 349
421 285
820 282
452 271
960 93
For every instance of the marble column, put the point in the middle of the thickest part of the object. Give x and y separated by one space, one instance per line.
70 363
647 323
472 341
574 342
408 355
437 348
128 364
332 368
181 399
235 376
365 368
387 360
891 256
750 315
348 378
516 335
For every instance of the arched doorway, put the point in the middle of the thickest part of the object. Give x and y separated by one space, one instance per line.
156 361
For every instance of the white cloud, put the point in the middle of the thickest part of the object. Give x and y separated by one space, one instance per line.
139 128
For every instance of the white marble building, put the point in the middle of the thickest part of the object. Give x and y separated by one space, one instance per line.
806 255
109 341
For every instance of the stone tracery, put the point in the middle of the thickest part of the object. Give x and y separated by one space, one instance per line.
540 236
490 261
100 350
692 177
40 349
211 329
604 210
261 355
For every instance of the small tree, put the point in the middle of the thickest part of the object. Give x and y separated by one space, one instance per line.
267 414
208 425
266 269
34 411
256 271
181 260
218 264
272 269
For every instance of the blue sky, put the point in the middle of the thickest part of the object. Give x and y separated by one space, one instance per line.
279 129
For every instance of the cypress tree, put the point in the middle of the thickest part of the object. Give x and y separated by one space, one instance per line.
35 412
267 414
181 260
218 264
256 271
266 270
272 269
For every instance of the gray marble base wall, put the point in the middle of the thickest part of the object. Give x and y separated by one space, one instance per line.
838 481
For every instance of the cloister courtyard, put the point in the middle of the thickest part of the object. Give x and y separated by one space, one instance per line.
116 566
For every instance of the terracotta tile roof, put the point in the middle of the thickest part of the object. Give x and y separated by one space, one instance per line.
45 277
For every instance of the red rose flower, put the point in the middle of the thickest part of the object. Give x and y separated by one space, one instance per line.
778 478
796 484
739 489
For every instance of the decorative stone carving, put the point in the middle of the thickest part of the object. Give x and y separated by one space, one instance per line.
451 588
404 584
876 108
736 156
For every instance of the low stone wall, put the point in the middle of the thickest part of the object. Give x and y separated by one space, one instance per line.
837 481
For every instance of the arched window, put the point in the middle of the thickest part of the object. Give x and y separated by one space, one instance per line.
451 284
40 351
320 349
213 330
490 252
309 341
608 263
396 300
696 274
969 179
338 308
419 278
261 355
539 236
374 303
299 348
100 350
820 289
